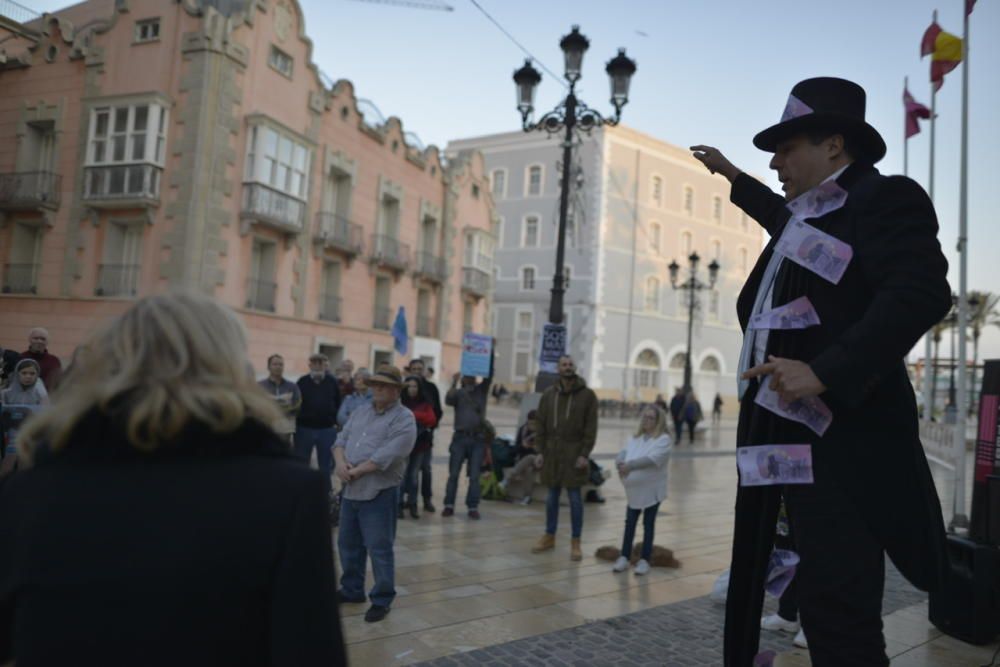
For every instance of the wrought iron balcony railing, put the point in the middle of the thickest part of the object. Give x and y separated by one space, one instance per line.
430 266
389 252
475 281
273 208
20 279
336 231
123 181
260 294
117 280
329 308
30 189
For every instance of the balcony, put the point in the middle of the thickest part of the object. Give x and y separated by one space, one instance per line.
425 326
329 308
260 294
20 279
387 251
122 186
117 280
475 281
337 232
430 266
382 317
267 206
29 190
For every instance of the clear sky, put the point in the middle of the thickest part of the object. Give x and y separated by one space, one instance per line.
709 71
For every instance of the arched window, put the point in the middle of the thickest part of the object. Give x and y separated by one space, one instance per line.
710 365
653 294
655 237
530 238
717 209
647 372
656 191
498 183
677 361
687 243
689 200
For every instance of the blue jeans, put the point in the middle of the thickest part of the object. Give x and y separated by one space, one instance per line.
413 470
368 528
320 438
575 510
464 447
648 523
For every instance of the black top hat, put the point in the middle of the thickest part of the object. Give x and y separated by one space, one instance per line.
830 104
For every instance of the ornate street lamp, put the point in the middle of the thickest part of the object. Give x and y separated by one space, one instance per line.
692 285
570 115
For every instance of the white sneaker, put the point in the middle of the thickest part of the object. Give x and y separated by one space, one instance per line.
800 639
526 500
641 568
620 565
775 623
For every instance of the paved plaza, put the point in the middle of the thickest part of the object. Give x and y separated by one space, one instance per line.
472 593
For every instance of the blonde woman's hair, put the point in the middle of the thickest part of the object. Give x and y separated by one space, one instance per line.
167 361
661 420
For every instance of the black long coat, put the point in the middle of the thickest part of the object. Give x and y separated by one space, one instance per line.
213 551
894 290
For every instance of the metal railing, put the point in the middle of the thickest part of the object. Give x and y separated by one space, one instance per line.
260 294
382 317
20 279
17 12
475 281
30 189
271 207
388 251
117 280
425 326
124 181
329 308
430 266
338 232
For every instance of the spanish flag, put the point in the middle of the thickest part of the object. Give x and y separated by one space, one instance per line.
945 50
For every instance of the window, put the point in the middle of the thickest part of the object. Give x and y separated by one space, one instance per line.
744 263
527 278
424 313
278 162
710 365
717 250
713 305
656 191
647 369
262 289
475 191
687 243
125 151
21 272
655 237
468 310
652 294
119 274
478 251
717 209
677 361
498 183
525 320
689 200
337 193
147 31
329 298
530 238
280 61
383 312
534 185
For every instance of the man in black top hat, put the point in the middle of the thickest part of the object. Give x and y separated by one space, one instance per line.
872 492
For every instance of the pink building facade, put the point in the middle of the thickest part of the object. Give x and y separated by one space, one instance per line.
147 145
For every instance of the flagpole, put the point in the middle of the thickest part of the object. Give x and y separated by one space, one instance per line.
960 518
906 139
929 360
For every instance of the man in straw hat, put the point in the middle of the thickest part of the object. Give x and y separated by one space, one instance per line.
882 287
371 453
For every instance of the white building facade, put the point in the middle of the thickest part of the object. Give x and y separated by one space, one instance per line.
637 204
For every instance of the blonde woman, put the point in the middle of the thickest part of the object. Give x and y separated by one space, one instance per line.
642 467
160 520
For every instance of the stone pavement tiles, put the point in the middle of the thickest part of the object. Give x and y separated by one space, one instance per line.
683 633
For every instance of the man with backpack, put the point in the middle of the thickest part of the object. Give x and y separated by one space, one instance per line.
470 440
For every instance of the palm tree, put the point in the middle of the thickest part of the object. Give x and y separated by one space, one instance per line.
984 312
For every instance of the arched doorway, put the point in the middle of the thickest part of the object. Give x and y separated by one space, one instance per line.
706 381
647 374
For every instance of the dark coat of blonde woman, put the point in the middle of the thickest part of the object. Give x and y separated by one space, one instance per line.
159 520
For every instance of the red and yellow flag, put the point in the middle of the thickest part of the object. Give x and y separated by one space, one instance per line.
945 50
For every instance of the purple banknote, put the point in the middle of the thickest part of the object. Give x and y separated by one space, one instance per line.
811 411
766 465
797 314
824 255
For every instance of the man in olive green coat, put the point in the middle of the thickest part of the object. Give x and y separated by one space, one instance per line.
567 430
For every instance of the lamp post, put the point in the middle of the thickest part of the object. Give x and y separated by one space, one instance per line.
692 285
571 115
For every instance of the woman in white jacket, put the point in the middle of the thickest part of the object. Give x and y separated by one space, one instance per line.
642 467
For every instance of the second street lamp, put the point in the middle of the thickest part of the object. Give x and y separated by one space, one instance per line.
692 285
570 115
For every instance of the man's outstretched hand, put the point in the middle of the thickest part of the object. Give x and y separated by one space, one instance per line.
792 379
715 161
